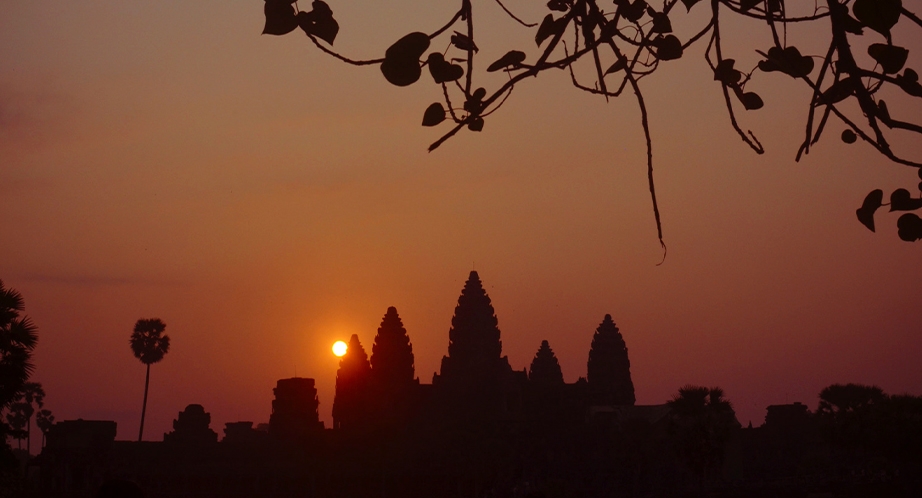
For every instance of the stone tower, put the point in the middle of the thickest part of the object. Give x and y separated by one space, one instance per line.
609 370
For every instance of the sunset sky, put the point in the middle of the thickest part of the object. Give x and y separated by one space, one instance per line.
163 159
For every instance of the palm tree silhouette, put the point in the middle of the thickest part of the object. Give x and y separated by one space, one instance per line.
701 424
17 340
148 345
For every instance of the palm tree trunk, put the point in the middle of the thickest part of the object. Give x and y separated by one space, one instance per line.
29 436
144 406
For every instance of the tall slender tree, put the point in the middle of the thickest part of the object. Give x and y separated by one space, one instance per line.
44 420
149 345
31 397
609 369
700 425
17 340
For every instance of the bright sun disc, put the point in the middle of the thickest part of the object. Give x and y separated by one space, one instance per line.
339 348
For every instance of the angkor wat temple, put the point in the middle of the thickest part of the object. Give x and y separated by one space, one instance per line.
479 429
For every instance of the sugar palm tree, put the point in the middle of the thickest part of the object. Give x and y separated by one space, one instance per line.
149 345
701 424
17 340
44 420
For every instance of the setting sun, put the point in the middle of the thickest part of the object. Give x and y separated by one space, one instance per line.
339 348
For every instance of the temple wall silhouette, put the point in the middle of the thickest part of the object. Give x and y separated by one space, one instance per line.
480 429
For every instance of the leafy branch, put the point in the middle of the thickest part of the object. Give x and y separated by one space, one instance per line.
628 42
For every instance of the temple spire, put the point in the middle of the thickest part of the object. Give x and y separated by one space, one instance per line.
609 370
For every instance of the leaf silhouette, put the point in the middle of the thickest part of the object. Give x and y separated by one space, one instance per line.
689 4
558 5
870 205
909 82
620 64
441 70
890 57
401 60
319 22
513 58
434 114
549 27
751 101
849 137
668 47
661 23
909 227
463 42
837 92
900 200
475 124
634 11
280 17
725 73
787 60
748 4
879 15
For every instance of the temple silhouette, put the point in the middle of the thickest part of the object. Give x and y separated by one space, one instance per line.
480 429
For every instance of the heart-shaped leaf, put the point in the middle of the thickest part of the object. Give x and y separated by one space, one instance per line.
879 15
870 205
513 59
837 92
689 4
474 104
668 47
434 114
280 17
909 82
852 25
319 22
909 227
549 27
890 57
725 73
633 12
900 200
661 23
849 137
751 101
475 124
401 60
441 70
882 112
787 60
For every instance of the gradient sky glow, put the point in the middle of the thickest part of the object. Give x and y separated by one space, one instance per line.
162 159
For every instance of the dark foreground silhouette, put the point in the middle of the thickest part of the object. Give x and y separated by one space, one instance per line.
483 429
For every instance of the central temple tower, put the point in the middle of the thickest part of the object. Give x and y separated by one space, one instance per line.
474 374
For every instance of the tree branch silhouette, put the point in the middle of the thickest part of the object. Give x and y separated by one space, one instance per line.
637 38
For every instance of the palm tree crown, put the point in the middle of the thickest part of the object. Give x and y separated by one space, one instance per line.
147 342
17 340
